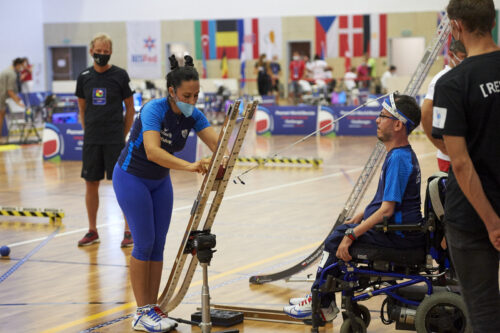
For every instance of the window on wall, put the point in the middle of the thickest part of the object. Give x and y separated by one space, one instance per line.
68 62
304 48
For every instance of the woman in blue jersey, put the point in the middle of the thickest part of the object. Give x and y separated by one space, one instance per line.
142 183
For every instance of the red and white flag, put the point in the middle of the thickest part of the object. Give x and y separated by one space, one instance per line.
351 34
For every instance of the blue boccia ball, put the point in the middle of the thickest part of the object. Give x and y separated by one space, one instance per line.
4 251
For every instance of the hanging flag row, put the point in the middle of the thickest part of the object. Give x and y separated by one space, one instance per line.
213 38
351 35
336 36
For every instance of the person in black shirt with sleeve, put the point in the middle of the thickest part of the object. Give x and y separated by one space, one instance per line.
101 90
467 116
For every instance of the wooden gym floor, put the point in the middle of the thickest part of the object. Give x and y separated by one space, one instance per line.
276 219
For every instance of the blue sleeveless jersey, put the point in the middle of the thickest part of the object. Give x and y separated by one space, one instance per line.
174 129
399 182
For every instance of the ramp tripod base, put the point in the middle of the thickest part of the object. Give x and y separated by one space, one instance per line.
224 318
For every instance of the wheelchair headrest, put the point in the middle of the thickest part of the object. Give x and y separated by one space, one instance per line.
435 193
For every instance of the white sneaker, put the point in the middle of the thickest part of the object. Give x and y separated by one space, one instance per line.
303 310
297 300
146 319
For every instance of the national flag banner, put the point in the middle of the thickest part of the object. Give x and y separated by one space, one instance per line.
243 59
223 65
351 35
204 65
248 31
227 39
214 36
143 49
205 39
375 35
356 34
327 44
270 36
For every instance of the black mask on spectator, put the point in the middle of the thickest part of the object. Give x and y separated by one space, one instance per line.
101 59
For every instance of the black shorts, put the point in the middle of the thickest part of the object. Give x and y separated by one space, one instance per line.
100 158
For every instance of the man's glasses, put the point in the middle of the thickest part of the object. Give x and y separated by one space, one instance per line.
381 115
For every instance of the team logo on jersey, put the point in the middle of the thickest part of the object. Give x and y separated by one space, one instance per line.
439 117
99 96
184 133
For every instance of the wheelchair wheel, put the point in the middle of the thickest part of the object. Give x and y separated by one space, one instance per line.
363 312
442 312
347 326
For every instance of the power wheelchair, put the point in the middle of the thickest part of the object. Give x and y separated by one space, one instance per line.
421 290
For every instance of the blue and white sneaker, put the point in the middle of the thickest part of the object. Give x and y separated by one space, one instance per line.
303 310
147 319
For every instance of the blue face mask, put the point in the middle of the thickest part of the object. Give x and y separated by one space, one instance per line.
186 108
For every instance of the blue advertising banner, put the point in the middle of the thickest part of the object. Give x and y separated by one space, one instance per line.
303 120
361 122
62 142
290 120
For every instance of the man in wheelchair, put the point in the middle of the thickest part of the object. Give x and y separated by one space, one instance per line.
387 242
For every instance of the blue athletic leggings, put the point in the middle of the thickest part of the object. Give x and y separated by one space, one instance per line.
147 205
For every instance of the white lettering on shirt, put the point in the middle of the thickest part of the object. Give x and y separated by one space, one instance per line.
439 117
490 88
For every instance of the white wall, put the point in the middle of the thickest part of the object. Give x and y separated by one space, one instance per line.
56 11
21 26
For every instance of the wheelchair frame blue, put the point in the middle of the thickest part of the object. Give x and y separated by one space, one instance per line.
350 278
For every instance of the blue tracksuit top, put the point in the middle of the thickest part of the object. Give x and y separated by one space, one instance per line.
399 182
174 129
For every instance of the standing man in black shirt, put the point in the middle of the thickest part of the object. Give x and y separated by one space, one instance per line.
101 89
467 116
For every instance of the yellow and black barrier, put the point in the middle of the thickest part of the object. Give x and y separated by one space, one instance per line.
55 215
315 162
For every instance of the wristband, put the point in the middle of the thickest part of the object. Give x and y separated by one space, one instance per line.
350 233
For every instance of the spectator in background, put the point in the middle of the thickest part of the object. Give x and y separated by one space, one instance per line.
371 63
308 66
319 72
263 78
387 74
297 71
363 73
318 68
275 75
456 54
9 89
26 76
350 79
101 90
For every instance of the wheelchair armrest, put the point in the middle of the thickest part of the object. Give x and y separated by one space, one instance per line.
400 227
386 227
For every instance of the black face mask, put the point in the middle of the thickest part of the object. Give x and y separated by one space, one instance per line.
101 59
